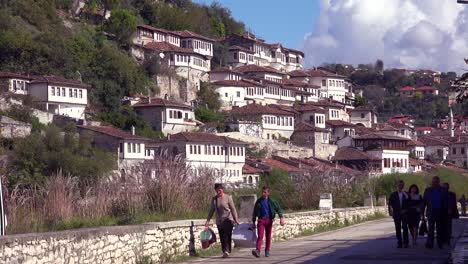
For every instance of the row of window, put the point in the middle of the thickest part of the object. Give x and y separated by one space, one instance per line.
419 153
19 85
254 91
278 80
395 163
61 91
279 91
131 148
216 150
182 58
196 44
319 119
260 48
334 83
242 56
278 120
200 62
454 151
177 114
335 113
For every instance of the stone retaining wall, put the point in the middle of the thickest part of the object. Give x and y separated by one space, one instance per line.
159 241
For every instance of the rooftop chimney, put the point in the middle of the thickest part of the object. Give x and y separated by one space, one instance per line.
133 130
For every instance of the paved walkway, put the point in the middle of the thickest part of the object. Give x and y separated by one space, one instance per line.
372 242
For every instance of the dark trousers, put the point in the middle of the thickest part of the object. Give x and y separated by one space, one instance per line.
400 223
436 222
225 235
448 230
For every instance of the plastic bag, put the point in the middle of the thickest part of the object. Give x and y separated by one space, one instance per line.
244 236
207 237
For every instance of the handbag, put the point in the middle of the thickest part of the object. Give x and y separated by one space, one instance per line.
423 228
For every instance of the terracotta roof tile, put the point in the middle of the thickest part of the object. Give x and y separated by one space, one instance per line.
298 73
244 49
113 132
256 68
237 83
415 143
379 136
225 70
339 123
247 169
350 153
309 108
156 29
322 73
190 34
202 138
407 89
54 80
256 109
166 47
423 128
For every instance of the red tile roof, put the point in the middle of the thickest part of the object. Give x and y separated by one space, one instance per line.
201 137
159 102
256 109
309 108
379 136
247 169
238 83
415 143
322 73
190 34
156 29
350 153
281 165
54 80
240 48
113 132
166 47
433 141
407 89
296 83
256 68
339 123
298 73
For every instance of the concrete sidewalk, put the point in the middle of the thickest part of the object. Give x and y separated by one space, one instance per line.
371 242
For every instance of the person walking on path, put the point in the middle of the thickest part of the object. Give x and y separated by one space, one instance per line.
462 202
265 209
226 217
436 210
415 204
397 205
452 212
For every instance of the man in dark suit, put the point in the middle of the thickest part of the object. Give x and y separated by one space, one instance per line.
452 212
397 209
436 208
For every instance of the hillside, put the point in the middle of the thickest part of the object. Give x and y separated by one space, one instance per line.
56 37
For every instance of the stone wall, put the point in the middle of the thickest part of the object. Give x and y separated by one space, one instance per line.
128 244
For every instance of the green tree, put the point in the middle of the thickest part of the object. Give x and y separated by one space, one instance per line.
360 101
122 24
208 97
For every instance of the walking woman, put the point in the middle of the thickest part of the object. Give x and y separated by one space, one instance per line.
415 204
226 217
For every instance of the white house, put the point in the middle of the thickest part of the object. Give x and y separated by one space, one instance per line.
224 155
239 56
237 93
363 116
16 83
131 150
340 129
169 117
458 152
262 121
391 150
436 149
332 85
311 114
60 96
225 74
417 148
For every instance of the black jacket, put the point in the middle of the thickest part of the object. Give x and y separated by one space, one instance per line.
428 201
452 205
395 208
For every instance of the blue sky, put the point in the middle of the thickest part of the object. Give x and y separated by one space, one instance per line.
275 20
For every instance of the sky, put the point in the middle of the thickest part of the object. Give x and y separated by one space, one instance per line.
284 21
413 34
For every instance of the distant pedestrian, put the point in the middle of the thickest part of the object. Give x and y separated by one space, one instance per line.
265 209
452 212
415 204
436 210
462 202
397 206
226 217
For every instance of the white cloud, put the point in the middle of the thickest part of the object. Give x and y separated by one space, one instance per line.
404 33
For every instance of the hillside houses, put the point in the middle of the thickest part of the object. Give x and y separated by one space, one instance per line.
56 95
